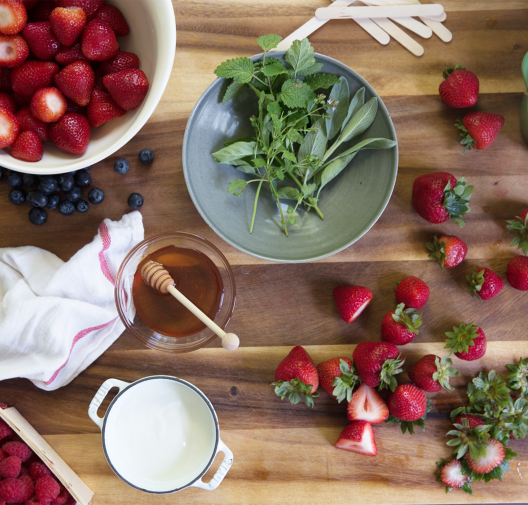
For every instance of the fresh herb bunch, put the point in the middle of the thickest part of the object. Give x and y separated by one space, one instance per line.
295 127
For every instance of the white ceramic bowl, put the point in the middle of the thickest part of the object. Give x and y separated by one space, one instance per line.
153 38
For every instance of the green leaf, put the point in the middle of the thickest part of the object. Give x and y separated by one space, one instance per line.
237 186
357 102
239 69
289 156
295 93
268 42
288 193
333 169
321 81
232 91
236 151
273 68
301 56
367 144
340 94
314 143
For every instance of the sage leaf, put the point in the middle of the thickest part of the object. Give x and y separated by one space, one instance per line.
340 93
355 104
332 170
237 186
368 144
239 69
321 81
268 42
236 151
296 93
232 91
301 56
314 143
288 193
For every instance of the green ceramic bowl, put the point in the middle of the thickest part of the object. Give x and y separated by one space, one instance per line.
351 203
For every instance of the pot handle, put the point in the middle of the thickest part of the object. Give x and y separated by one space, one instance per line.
100 396
220 473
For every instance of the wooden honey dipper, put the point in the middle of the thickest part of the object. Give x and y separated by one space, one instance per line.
158 278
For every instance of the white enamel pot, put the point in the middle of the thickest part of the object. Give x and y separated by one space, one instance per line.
160 434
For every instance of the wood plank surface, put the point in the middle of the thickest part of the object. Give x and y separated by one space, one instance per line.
283 453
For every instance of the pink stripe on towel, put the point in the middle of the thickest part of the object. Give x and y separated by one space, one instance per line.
107 242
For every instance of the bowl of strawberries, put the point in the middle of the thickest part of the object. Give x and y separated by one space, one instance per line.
79 78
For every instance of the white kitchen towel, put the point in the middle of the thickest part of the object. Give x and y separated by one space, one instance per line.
57 317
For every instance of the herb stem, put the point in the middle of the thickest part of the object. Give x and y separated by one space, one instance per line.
255 206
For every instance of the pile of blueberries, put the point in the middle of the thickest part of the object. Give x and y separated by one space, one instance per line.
43 190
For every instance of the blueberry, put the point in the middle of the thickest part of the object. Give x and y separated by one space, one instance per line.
66 182
53 202
66 208
48 184
135 200
36 199
17 196
96 195
146 156
14 179
82 206
30 180
121 166
38 216
73 195
82 178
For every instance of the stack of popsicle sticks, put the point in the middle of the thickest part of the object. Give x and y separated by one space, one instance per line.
379 18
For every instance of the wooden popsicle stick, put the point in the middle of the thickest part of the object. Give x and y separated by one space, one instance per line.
325 13
439 30
440 18
415 26
398 34
373 29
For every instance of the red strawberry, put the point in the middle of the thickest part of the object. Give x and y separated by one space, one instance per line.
68 55
432 373
5 82
479 130
358 438
13 51
408 403
41 40
16 490
9 128
519 227
367 405
460 88
351 301
98 41
67 24
13 16
337 377
377 362
10 467
121 61
38 469
447 251
517 273
19 449
451 474
5 431
495 453
90 7
48 105
7 102
400 326
413 292
28 121
484 283
71 133
468 342
42 10
438 197
296 377
47 488
32 76
128 87
102 108
112 15
27 147
76 81
472 419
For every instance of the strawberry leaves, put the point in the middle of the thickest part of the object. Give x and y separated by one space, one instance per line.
437 253
295 390
519 228
409 425
518 376
344 385
461 338
456 200
410 318
444 371
390 368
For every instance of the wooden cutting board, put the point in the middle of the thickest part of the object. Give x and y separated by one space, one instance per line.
282 453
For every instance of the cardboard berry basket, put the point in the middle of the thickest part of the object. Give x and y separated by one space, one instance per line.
69 479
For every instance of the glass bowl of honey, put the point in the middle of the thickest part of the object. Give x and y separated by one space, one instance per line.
201 273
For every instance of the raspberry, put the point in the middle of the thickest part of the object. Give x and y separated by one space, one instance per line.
10 467
28 488
47 488
16 490
19 449
37 469
23 471
5 429
3 455
62 498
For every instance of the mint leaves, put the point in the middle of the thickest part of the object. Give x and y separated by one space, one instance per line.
299 132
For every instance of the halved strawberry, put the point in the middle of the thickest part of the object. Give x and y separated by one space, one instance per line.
367 405
13 51
98 41
451 474
351 300
7 102
32 76
27 147
358 438
102 108
112 15
41 40
90 7
495 453
67 23
28 121
48 105
121 61
71 133
9 128
13 16
68 55
76 81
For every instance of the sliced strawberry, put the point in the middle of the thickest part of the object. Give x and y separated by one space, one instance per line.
27 147
67 23
68 55
5 80
48 105
351 300
7 102
121 61
28 121
495 453
367 405
451 474
71 133
76 81
42 11
90 7
102 108
358 438
13 16
41 40
112 15
9 128
98 41
13 51
31 76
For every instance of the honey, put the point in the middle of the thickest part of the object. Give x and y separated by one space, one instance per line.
196 276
